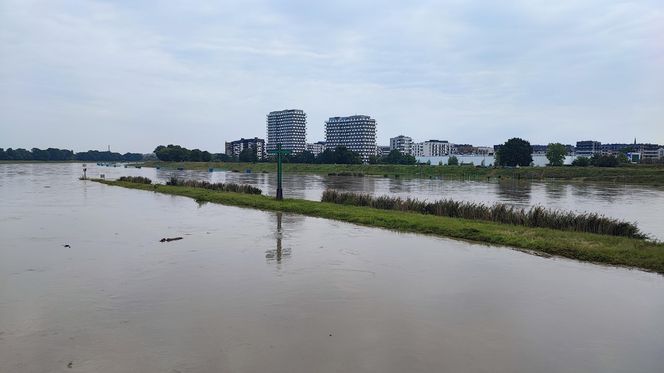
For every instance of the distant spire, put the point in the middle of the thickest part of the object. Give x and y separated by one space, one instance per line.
635 141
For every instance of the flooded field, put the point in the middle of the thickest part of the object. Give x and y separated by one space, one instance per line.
252 291
634 203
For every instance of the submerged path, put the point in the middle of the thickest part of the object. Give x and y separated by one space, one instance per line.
622 251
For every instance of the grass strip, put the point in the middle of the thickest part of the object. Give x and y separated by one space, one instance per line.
652 175
613 250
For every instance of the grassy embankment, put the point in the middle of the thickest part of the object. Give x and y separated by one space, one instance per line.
629 174
590 247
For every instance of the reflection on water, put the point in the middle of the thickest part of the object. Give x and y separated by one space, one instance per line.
353 299
514 192
278 253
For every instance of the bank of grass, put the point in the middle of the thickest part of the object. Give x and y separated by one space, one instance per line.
629 174
613 250
535 216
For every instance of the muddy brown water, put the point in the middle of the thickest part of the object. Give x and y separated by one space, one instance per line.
253 291
634 203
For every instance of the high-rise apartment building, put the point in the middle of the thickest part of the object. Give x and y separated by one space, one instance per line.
356 133
288 128
402 143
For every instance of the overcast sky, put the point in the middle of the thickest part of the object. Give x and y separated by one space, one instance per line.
135 74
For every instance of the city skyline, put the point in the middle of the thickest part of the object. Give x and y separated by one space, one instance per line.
85 74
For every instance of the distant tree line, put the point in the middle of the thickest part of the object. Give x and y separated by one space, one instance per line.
393 157
601 160
338 155
177 153
55 154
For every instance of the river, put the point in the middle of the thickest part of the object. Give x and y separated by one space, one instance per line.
635 203
254 291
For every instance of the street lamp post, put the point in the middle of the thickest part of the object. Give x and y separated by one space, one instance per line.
279 152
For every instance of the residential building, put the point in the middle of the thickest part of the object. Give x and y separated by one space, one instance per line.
649 151
288 128
484 150
234 148
462 149
402 143
587 148
433 148
356 133
384 150
316 148
614 149
539 149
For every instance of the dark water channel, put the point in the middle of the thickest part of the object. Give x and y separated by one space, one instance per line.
252 291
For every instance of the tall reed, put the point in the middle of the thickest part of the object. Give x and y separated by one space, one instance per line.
222 187
536 216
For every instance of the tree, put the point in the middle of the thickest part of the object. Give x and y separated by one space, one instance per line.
3 155
303 157
555 153
599 160
581 162
515 152
397 157
452 161
339 155
172 153
248 154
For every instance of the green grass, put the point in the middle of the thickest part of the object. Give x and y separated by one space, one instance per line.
621 251
535 216
629 174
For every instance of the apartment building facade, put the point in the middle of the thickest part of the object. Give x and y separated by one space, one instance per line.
234 148
356 133
288 128
402 143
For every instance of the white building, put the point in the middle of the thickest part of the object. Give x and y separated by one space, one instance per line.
356 133
288 128
432 148
316 148
402 143
234 148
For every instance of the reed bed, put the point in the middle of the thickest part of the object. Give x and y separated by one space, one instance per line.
222 187
536 216
135 179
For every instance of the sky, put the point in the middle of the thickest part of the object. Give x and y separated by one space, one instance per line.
135 74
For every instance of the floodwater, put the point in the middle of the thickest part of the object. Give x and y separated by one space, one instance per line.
634 203
253 291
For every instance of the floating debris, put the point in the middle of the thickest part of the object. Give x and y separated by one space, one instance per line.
170 239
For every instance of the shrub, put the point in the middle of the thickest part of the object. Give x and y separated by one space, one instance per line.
581 162
536 216
135 179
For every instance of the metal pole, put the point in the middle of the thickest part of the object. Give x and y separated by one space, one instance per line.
280 193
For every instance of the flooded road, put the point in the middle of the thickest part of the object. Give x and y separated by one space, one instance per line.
633 203
252 291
